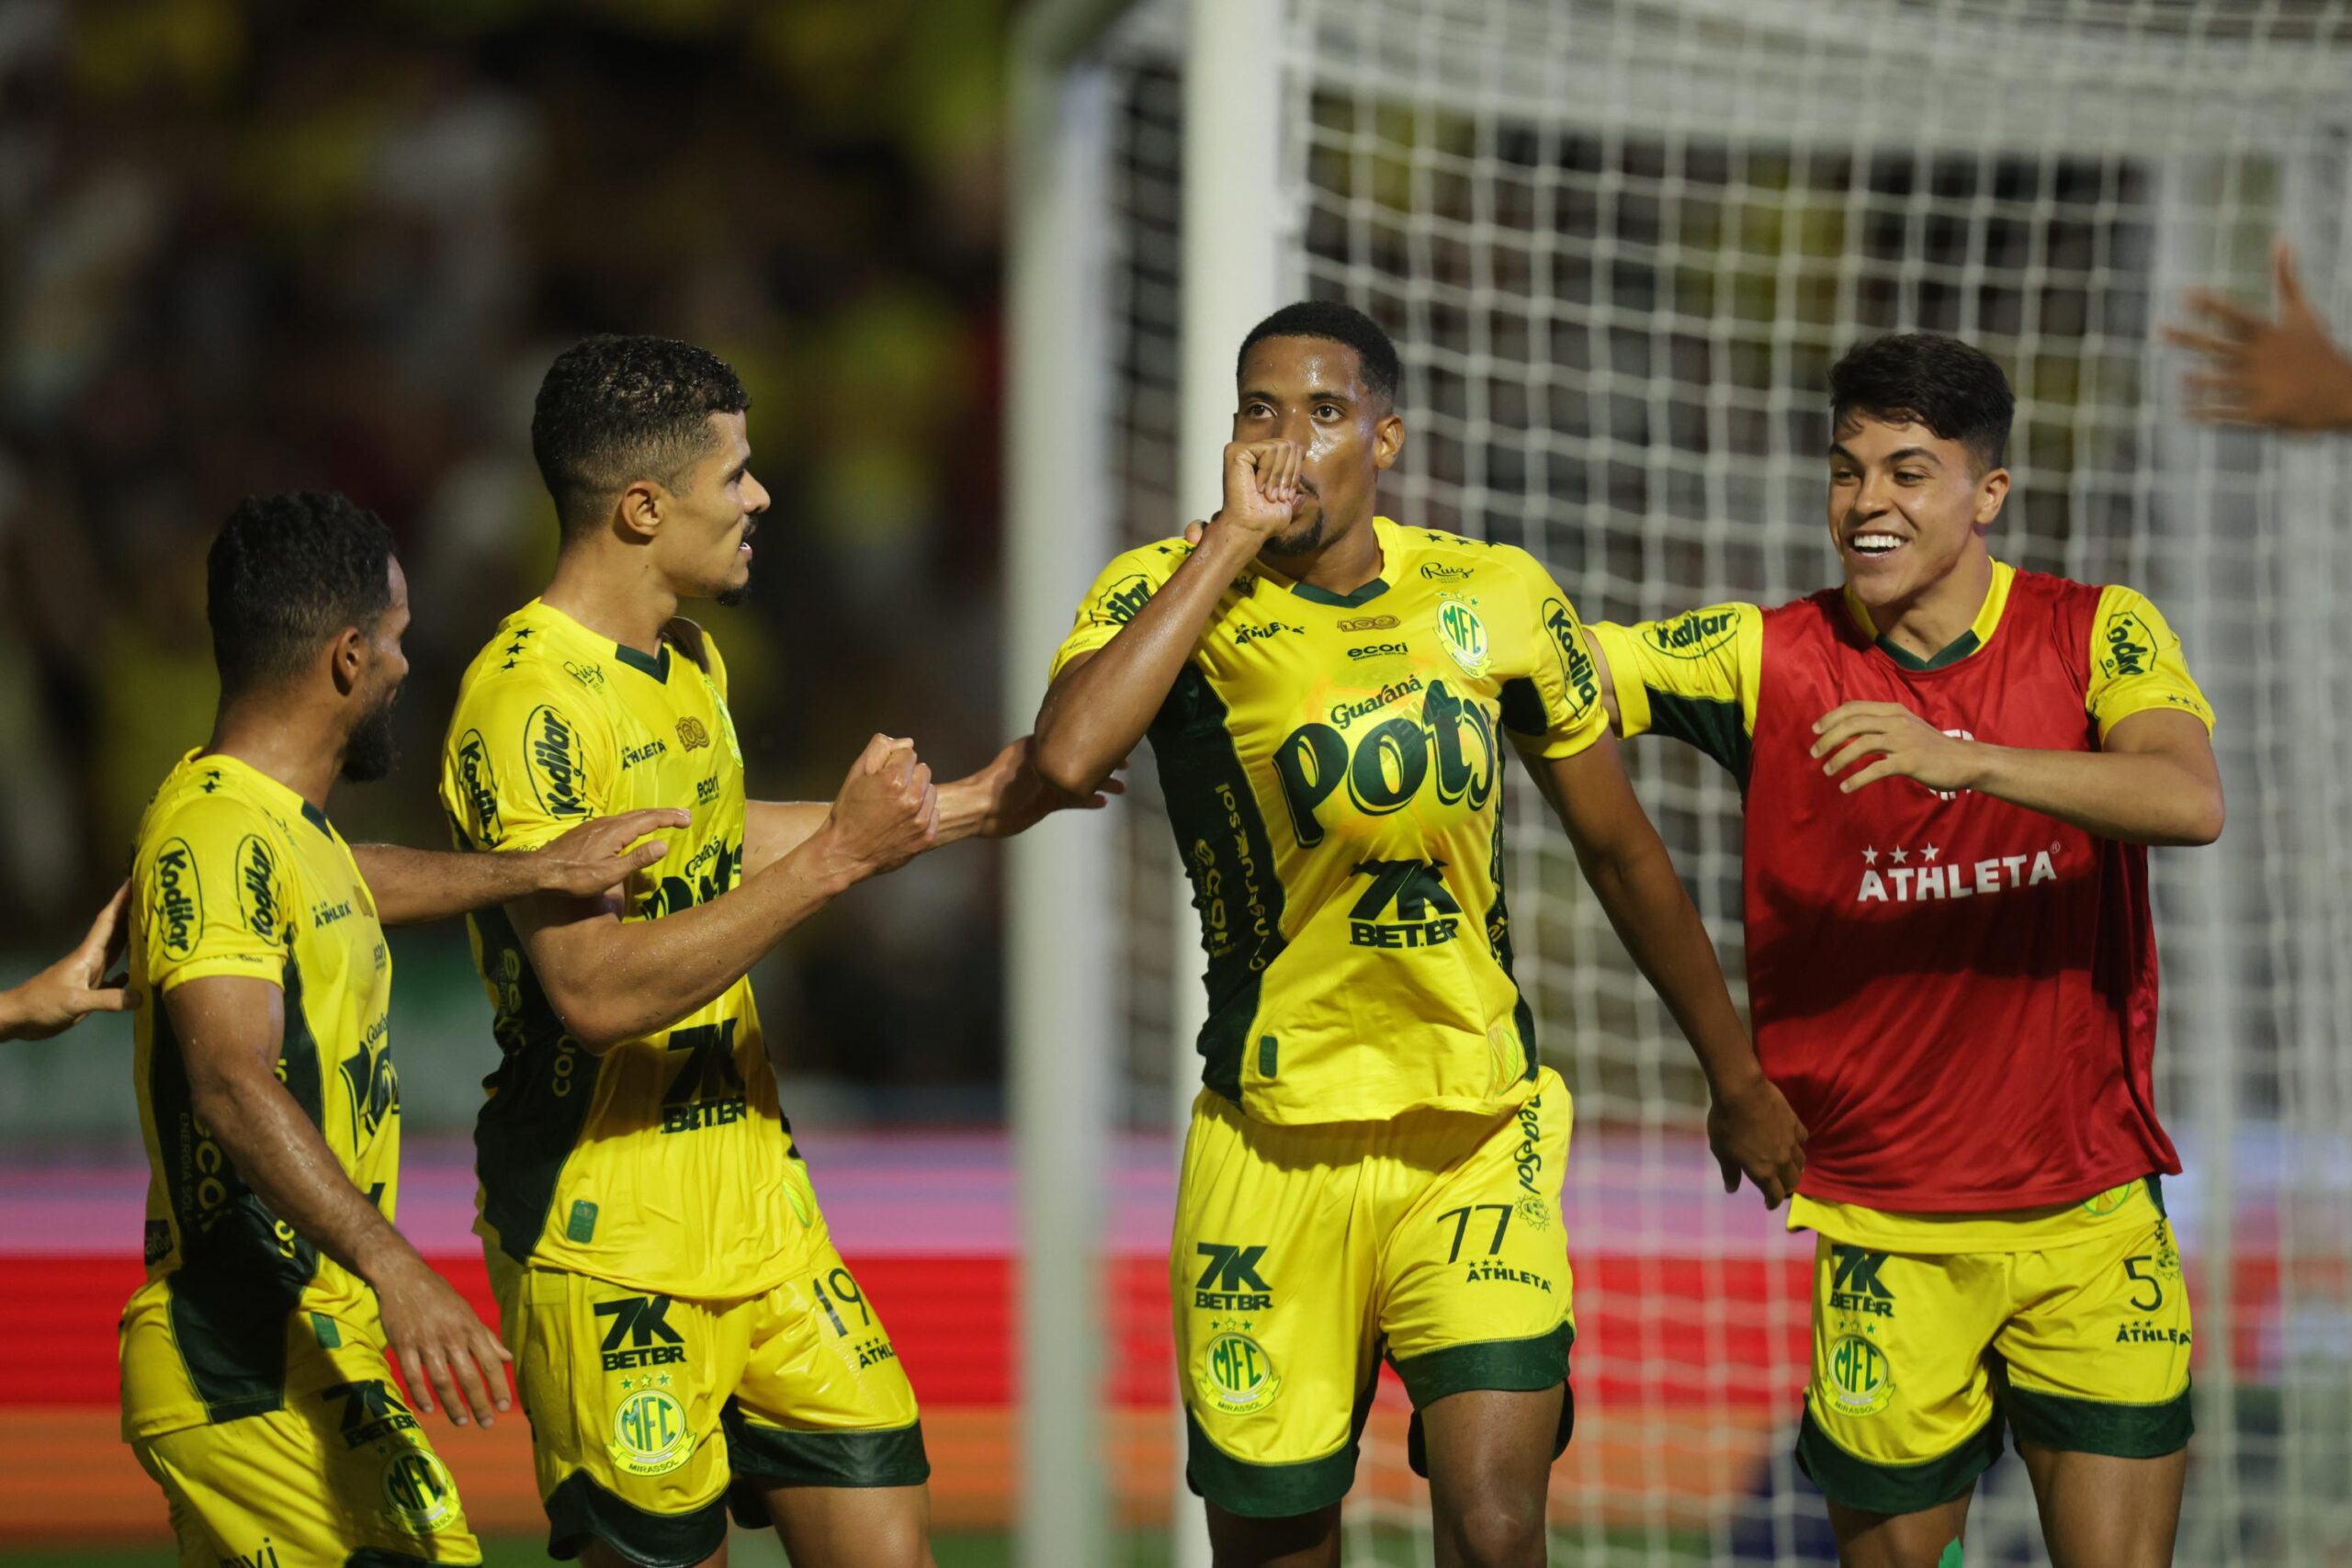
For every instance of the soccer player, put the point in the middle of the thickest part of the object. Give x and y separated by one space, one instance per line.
252 1358
685 1334
1376 1162
1950 770
75 986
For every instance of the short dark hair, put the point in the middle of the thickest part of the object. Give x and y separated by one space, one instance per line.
614 409
1339 324
287 573
1951 388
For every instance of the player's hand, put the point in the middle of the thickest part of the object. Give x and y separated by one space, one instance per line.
1753 1132
1904 745
888 810
443 1348
1015 797
76 985
2284 373
595 856
1261 488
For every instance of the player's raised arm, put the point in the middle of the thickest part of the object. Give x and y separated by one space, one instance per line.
1007 796
1102 701
611 980
1749 1125
75 985
414 887
2285 373
231 1030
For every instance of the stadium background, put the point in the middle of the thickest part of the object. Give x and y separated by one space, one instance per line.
264 245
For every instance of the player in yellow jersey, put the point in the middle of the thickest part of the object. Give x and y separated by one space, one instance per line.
684 1332
1375 1164
254 1386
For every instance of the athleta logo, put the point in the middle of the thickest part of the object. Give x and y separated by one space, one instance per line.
1451 742
1231 1281
650 1342
1243 636
1856 1287
1413 888
1903 883
551 751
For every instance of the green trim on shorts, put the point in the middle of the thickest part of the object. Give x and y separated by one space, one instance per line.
2098 1426
1848 1478
1511 1366
1267 1491
773 1456
377 1557
579 1511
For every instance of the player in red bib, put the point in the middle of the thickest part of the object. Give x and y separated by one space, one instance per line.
1951 770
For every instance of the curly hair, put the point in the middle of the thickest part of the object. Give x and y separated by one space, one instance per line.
615 410
287 573
1927 378
1339 323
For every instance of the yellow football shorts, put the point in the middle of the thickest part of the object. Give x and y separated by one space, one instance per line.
1918 1360
1303 1254
343 1476
651 1413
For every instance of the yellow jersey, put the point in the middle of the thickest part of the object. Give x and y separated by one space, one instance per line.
235 873
664 1165
1333 773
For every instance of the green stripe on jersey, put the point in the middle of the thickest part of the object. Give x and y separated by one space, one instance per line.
539 1096
1214 813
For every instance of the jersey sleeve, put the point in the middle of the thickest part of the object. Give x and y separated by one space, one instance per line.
1554 710
214 894
1122 590
2136 664
527 759
1692 676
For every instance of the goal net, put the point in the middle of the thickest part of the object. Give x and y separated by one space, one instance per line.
1618 243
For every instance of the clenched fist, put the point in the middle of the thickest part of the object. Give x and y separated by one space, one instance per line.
888 810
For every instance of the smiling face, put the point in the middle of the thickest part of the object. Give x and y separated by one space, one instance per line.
1311 391
1908 508
707 514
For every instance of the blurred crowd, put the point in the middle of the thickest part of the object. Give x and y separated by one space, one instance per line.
259 245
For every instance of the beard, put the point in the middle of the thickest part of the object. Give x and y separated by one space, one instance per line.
727 598
1298 541
371 751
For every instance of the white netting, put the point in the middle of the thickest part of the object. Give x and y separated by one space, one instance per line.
1618 243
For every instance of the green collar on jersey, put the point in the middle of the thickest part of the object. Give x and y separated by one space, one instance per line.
1980 632
1952 652
655 665
317 819
1363 595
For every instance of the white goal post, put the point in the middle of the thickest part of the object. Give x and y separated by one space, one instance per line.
1618 242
